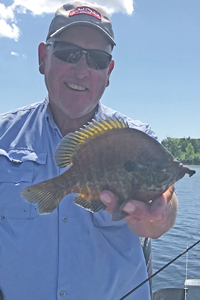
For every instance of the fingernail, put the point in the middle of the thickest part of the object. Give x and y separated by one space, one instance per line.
129 208
105 197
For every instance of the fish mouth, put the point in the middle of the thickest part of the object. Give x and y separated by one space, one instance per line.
76 87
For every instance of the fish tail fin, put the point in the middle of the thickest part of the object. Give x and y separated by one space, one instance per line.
45 194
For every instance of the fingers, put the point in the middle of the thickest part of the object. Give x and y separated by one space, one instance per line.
151 212
109 199
146 219
158 208
137 210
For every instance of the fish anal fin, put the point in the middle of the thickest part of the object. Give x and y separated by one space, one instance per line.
93 205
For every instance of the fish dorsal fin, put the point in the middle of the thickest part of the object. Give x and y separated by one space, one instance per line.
70 143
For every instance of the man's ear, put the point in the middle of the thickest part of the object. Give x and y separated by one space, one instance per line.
112 63
41 57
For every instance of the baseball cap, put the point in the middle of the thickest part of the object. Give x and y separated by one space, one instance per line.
81 13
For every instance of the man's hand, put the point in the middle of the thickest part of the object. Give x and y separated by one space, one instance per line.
147 219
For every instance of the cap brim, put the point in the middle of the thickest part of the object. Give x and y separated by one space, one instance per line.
83 23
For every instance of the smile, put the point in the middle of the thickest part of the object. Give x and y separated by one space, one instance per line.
76 87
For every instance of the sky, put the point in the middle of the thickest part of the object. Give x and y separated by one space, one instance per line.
156 78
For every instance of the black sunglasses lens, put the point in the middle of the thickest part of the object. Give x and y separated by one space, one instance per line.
75 56
98 59
69 55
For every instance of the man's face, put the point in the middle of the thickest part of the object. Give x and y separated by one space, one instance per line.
75 89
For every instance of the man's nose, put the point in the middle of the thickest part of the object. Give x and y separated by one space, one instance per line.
81 68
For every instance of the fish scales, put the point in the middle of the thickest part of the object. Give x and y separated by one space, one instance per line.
105 159
108 155
100 167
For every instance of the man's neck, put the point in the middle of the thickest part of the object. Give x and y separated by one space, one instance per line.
67 124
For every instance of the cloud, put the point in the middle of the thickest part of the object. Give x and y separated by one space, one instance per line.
8 27
17 54
38 7
6 12
14 53
116 6
9 31
8 15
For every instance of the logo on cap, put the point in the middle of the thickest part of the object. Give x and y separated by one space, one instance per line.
85 10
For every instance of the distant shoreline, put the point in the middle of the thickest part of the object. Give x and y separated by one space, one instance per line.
185 150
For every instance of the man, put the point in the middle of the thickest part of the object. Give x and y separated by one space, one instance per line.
70 253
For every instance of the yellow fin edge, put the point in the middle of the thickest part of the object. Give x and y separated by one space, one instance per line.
70 143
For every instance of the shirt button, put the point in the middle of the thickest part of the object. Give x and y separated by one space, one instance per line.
65 219
63 293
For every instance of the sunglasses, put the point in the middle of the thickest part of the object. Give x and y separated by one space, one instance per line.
70 53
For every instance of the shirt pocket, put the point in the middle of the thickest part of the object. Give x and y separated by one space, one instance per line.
17 165
17 170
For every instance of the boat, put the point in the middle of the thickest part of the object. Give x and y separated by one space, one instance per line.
190 291
191 287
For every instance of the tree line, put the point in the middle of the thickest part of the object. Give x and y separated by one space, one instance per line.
186 150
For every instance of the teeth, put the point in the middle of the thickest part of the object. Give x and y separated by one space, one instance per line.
76 87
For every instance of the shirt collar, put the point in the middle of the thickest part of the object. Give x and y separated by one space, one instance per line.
98 111
49 117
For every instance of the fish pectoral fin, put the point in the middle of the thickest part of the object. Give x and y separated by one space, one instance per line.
93 205
41 194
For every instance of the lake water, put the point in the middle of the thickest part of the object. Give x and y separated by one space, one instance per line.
185 232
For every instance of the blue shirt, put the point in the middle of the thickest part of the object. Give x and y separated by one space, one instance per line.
71 253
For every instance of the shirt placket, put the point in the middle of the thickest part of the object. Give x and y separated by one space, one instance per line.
64 264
